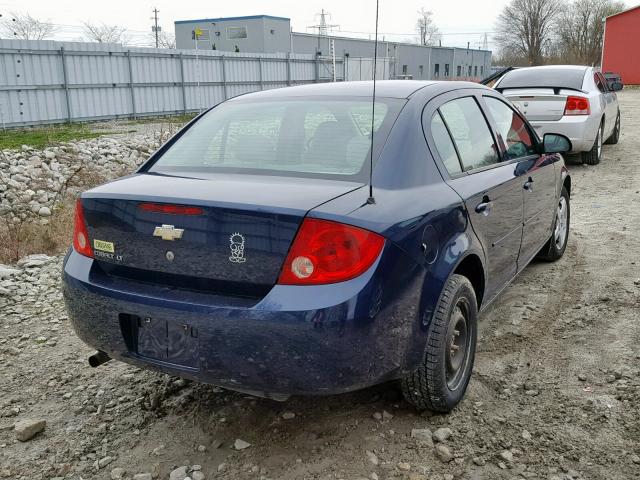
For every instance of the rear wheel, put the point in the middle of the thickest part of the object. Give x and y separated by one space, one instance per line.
557 244
441 381
594 156
615 136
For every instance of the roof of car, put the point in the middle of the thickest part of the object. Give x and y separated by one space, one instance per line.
556 67
384 88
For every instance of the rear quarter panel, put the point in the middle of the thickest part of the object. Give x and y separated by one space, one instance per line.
416 210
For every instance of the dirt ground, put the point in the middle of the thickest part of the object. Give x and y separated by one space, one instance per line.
555 392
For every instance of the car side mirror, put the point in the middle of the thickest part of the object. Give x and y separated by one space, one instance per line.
555 143
616 86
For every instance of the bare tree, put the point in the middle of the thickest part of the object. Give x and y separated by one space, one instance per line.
165 40
581 30
429 32
525 28
26 27
103 33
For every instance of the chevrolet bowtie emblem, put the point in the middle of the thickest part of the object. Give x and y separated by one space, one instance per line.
168 232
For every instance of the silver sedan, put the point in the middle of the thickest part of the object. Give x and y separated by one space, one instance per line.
575 101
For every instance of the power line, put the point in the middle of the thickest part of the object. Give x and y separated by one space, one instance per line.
417 33
69 32
64 25
327 26
142 38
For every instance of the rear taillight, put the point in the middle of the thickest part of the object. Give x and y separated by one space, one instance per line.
80 234
329 252
577 106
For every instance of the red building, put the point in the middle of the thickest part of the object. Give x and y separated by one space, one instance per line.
621 51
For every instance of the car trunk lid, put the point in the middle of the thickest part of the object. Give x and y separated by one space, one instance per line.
224 234
540 104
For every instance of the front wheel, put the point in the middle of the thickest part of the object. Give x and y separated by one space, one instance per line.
440 382
557 244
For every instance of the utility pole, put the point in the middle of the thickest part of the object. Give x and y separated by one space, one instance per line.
155 27
323 27
485 42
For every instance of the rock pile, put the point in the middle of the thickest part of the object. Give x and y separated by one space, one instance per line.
32 180
34 279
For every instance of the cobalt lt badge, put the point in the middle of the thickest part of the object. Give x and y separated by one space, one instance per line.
237 248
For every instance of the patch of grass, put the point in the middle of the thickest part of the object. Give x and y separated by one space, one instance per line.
25 238
187 117
40 137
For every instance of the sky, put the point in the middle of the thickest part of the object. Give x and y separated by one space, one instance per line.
460 21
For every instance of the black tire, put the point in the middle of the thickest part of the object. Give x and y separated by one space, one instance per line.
573 159
436 384
615 136
556 245
594 156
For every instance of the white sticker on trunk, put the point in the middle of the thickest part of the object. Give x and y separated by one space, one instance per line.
237 248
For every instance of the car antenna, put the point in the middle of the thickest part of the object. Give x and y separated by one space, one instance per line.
372 200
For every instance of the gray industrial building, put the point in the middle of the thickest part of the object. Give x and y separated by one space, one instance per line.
268 34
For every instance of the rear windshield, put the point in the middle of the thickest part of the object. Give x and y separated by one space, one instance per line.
571 78
318 137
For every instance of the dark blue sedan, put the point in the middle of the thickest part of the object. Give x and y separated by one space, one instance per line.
257 251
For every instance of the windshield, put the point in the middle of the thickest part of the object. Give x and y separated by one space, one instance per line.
315 137
571 78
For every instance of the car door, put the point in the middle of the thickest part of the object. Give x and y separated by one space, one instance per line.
610 101
537 173
470 161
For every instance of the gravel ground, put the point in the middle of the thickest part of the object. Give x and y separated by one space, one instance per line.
555 392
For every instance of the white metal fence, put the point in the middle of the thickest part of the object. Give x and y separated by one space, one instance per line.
362 69
53 82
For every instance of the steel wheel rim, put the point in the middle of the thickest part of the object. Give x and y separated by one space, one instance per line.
618 124
599 142
562 215
458 345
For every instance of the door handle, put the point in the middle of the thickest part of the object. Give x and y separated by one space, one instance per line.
528 185
485 207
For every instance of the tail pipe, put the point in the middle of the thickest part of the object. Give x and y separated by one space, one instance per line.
98 359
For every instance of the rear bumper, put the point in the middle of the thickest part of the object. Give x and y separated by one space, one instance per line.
581 130
296 340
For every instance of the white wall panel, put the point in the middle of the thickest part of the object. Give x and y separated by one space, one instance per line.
48 82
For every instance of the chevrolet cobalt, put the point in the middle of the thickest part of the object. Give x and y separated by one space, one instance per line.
301 241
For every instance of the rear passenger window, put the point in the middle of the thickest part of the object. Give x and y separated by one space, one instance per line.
470 133
512 128
444 145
